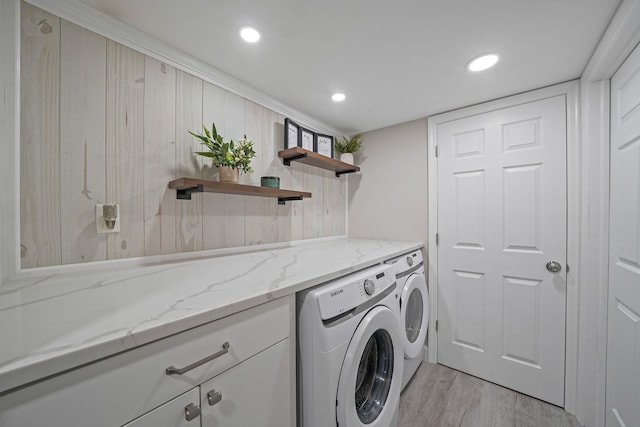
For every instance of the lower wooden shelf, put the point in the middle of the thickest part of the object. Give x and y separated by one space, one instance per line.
186 186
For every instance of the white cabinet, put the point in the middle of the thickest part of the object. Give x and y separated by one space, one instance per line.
134 386
255 393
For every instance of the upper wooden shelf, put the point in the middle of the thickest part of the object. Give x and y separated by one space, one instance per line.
186 186
312 158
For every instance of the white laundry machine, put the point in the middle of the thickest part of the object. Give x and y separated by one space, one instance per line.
414 309
350 355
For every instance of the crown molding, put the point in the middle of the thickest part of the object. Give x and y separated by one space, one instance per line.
622 35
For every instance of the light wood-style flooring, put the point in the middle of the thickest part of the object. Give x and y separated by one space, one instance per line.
438 396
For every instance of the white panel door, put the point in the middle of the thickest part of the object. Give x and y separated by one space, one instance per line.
501 218
623 346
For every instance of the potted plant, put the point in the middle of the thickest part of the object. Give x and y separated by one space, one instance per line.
347 146
231 157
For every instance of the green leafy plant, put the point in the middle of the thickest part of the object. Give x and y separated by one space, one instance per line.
236 154
348 145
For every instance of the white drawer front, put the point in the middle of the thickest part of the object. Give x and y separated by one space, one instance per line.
121 388
171 414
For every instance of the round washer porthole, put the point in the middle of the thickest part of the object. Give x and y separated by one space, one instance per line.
373 379
371 374
414 313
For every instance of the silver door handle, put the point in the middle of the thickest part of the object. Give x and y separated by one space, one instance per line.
171 370
554 266
214 397
191 412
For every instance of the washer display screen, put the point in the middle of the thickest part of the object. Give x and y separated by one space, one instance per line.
373 380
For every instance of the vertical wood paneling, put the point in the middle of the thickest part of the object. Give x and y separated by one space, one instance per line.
253 206
82 142
313 208
213 207
159 157
334 206
283 212
102 123
40 139
9 131
299 182
188 117
233 205
125 161
271 166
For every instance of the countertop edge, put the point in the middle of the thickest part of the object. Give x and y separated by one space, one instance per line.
13 378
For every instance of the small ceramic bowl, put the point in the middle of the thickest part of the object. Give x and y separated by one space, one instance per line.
270 181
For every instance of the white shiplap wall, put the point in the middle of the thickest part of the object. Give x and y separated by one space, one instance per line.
104 123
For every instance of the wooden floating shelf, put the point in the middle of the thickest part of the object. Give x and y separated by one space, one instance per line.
312 158
186 186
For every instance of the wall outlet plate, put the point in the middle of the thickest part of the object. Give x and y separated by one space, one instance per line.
101 227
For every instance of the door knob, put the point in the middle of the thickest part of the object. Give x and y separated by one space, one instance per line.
554 266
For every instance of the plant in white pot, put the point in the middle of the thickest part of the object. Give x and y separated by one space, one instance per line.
231 157
347 146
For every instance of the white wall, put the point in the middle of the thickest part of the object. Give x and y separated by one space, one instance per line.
388 198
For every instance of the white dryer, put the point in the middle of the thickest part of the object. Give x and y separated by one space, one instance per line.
350 353
414 309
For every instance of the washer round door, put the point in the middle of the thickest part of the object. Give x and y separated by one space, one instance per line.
414 314
371 374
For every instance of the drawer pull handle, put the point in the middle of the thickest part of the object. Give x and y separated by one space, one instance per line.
191 412
214 397
172 370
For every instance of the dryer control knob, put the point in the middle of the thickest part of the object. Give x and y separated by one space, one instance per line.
409 261
369 286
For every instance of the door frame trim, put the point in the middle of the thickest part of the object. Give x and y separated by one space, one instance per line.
618 41
571 91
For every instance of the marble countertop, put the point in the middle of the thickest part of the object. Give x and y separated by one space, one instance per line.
56 319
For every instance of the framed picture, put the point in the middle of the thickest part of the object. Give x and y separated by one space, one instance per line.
291 134
307 139
324 145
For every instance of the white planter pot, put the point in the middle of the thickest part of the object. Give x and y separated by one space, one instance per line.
347 158
229 174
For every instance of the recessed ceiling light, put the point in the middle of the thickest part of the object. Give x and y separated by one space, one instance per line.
483 62
338 97
249 34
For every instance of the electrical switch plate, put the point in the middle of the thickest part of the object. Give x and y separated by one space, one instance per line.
101 227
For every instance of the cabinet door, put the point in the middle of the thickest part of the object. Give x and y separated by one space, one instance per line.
255 393
172 413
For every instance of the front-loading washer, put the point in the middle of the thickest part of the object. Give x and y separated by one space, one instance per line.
414 309
350 354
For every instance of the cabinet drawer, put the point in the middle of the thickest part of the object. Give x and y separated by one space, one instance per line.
171 414
118 389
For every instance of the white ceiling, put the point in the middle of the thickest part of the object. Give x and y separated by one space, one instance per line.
395 60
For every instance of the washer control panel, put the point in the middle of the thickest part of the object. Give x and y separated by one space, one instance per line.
369 286
349 292
407 262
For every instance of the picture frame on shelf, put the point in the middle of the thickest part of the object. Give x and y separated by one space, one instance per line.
291 134
324 145
307 139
